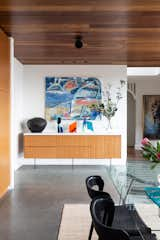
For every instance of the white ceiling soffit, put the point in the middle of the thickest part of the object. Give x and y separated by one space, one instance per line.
143 71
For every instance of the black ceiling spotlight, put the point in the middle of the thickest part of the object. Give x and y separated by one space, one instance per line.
78 42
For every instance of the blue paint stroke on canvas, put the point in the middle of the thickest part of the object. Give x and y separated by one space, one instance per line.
69 97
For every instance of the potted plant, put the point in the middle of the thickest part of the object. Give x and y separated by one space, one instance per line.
151 152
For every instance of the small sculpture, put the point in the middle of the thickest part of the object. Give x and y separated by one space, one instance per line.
36 124
59 128
73 127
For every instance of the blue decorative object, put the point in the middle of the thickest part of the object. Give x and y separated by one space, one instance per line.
154 194
60 128
84 123
90 125
87 125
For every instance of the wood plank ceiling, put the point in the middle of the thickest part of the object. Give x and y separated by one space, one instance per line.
114 32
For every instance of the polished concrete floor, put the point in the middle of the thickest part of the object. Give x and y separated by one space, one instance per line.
33 210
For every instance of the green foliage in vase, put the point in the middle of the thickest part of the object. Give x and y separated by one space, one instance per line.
108 111
110 106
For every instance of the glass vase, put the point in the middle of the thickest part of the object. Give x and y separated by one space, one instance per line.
109 127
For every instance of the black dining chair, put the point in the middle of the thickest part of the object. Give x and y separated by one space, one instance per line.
95 185
98 208
123 217
102 206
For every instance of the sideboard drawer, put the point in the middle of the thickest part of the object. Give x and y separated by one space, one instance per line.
40 152
40 140
58 152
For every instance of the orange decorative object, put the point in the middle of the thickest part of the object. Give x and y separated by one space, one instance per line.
73 127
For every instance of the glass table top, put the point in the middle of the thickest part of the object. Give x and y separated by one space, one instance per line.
134 176
137 176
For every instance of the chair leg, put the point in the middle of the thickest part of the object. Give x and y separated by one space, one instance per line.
90 232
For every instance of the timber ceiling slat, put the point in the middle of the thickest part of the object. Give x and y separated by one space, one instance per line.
114 32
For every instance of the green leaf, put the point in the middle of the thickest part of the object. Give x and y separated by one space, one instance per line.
153 165
146 156
158 146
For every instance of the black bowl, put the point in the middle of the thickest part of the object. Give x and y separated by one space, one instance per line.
36 124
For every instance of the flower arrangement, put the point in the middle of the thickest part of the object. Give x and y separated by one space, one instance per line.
150 152
110 105
108 111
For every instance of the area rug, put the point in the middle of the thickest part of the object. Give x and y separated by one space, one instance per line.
75 223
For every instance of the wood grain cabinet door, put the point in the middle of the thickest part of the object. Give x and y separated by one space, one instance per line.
112 146
4 142
4 62
4 113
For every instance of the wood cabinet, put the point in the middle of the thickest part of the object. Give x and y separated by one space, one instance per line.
68 146
4 113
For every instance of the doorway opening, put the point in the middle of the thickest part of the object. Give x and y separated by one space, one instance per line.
130 120
131 125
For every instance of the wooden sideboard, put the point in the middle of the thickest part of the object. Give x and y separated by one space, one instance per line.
72 146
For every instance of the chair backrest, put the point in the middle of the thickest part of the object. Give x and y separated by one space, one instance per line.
93 182
100 207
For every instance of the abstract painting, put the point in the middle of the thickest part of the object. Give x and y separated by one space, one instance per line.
70 97
151 116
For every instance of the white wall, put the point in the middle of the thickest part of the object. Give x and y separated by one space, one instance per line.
34 90
145 85
17 113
